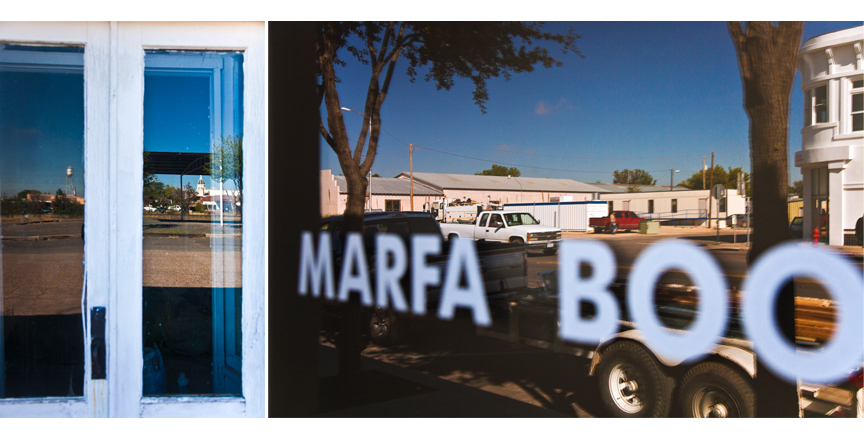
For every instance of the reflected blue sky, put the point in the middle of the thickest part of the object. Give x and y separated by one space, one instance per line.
177 119
41 131
647 95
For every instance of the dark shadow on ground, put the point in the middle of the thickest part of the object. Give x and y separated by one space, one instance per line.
453 351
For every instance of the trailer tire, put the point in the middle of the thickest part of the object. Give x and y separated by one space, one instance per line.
632 382
386 328
716 390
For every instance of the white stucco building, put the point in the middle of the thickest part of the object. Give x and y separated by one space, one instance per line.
832 139
387 194
503 189
676 206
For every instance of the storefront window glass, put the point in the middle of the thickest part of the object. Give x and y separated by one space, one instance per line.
41 221
192 206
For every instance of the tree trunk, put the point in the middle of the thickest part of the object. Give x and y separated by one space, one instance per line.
766 59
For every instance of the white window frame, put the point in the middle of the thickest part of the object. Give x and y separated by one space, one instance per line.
849 113
113 146
810 105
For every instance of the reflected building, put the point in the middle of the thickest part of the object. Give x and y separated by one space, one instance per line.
831 158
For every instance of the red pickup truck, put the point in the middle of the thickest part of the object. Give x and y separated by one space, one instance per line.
626 220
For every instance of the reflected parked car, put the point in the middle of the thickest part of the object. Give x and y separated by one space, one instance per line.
796 228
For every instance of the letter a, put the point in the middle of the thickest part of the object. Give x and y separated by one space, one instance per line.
354 257
464 257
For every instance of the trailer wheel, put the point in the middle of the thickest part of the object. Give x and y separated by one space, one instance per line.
632 383
716 390
385 327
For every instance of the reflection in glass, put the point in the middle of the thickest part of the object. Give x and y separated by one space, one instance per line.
41 221
192 233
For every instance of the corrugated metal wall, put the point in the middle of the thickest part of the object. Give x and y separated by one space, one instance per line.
795 209
567 216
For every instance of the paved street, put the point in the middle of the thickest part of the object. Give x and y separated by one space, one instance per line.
42 263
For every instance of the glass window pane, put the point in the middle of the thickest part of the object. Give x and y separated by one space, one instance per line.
41 221
857 102
821 105
858 122
858 83
192 206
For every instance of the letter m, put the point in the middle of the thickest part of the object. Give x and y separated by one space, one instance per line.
316 269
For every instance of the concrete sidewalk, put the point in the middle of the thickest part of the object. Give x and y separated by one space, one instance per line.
397 392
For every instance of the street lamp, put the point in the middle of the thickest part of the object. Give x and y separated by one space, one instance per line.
520 187
672 178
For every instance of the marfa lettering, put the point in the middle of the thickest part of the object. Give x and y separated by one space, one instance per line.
830 363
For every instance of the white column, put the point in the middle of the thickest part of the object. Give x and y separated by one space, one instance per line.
807 176
835 203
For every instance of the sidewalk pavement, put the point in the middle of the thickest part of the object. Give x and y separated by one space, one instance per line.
406 393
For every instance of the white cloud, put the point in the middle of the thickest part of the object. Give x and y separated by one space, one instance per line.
541 108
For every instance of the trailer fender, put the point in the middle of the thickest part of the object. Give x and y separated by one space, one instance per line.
743 358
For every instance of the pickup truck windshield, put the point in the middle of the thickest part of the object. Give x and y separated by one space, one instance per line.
520 218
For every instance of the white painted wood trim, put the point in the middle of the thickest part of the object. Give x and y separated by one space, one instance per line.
93 36
193 406
249 38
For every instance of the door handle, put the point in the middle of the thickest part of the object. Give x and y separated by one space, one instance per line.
97 343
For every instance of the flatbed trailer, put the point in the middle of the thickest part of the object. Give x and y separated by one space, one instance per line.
637 382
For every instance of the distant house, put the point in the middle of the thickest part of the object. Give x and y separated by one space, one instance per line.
677 205
501 189
831 158
388 194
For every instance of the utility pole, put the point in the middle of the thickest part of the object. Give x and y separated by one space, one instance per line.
710 196
411 159
703 172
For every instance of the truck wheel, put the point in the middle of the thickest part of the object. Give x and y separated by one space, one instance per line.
716 390
516 240
452 237
385 327
632 383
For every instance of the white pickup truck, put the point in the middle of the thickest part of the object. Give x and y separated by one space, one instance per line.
509 227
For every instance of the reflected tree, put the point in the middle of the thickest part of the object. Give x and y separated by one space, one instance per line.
766 59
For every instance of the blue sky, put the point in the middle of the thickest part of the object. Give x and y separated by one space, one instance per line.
37 145
42 126
649 95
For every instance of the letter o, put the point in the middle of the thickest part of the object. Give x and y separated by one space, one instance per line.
713 306
844 351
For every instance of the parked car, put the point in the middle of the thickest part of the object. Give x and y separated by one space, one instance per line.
505 270
796 228
518 227
626 220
